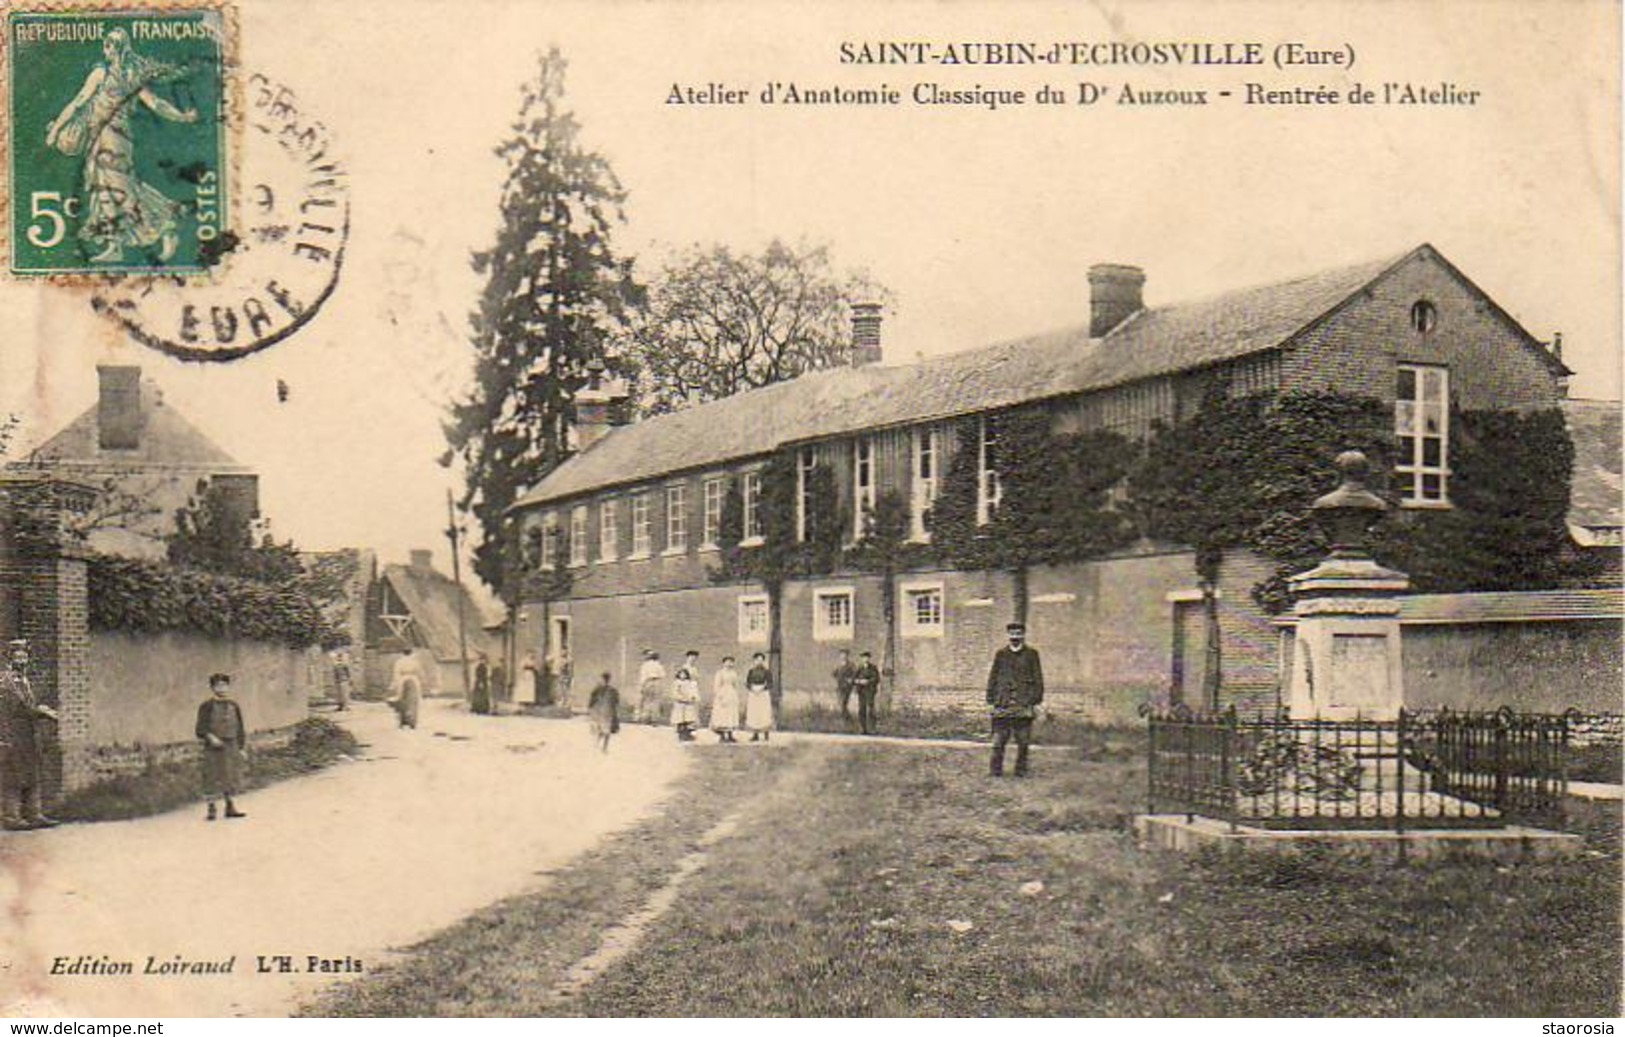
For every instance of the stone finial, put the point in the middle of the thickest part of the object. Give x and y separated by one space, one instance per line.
1348 512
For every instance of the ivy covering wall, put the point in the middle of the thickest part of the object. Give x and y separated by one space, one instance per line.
1239 473
140 596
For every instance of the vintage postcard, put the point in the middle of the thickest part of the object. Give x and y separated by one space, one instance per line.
720 509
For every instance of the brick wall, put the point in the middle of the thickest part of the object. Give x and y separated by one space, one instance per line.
1104 630
1355 350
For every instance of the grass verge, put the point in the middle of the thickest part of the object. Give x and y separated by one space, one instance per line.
879 880
909 722
316 743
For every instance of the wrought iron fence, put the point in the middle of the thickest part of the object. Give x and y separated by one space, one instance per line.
1436 769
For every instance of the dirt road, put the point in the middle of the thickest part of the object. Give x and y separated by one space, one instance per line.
341 867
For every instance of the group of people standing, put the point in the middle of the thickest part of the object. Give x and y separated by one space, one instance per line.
730 712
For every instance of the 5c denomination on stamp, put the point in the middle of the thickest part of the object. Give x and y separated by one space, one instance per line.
118 131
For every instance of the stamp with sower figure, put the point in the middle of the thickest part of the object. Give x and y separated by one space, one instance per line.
116 119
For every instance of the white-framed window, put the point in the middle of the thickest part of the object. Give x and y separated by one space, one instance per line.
927 465
716 493
832 614
550 540
642 525
578 535
750 489
988 490
1422 424
676 518
608 530
863 484
806 461
753 619
922 613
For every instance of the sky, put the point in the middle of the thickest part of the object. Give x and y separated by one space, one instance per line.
981 223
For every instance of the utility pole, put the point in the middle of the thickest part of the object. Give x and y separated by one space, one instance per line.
457 578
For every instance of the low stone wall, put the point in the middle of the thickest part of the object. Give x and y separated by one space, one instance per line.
99 763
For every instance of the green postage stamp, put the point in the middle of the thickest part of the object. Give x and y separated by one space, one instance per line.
116 119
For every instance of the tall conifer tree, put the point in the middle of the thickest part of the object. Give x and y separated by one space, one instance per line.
555 292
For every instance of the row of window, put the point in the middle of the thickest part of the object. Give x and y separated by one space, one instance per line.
920 613
1422 472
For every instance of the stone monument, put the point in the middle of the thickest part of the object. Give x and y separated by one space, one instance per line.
1346 655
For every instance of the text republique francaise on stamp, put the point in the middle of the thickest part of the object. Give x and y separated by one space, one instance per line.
119 138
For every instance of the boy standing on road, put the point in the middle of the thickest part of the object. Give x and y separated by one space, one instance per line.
225 743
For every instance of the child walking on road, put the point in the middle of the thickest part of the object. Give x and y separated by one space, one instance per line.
602 710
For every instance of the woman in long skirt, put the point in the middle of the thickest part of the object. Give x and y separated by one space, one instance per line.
407 683
725 700
759 699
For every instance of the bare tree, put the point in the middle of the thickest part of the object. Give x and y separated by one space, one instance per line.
718 322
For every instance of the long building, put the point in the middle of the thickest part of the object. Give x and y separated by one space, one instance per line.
640 505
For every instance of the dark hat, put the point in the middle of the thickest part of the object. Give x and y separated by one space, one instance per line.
1015 628
219 678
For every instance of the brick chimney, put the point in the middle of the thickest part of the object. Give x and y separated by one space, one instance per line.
865 334
118 407
422 559
238 495
1114 296
601 406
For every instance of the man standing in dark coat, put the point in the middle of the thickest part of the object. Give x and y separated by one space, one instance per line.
866 682
1015 687
843 684
225 742
20 748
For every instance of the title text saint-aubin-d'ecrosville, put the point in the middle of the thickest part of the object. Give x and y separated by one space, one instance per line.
923 52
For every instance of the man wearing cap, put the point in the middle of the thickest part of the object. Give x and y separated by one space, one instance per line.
225 741
20 745
866 682
1015 687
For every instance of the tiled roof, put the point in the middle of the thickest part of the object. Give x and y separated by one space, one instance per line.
166 439
1594 425
1155 341
431 600
1506 606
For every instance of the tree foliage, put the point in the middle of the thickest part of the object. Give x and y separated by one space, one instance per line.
719 322
213 537
137 595
555 292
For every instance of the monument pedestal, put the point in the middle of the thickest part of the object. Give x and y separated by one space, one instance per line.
1346 655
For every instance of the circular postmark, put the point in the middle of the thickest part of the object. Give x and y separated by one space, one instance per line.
268 276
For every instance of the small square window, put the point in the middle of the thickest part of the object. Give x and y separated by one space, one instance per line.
832 614
922 612
753 619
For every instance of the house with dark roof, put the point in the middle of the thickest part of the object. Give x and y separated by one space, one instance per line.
416 605
144 459
639 507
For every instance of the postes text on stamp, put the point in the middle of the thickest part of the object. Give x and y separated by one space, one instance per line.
118 132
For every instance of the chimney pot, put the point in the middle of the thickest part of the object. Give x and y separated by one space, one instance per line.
118 407
865 334
1114 296
1557 344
